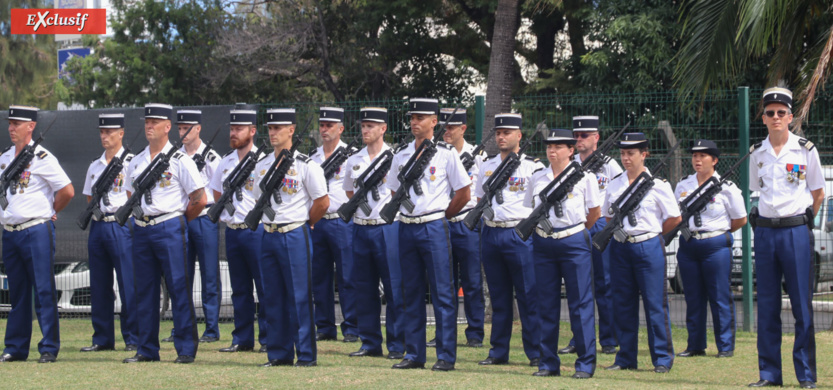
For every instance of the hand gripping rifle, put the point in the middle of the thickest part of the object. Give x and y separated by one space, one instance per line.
272 182
468 158
338 157
144 183
493 187
11 176
554 193
233 185
199 159
367 182
694 204
410 174
627 203
101 188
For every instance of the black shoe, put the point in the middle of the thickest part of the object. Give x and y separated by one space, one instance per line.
236 348
661 369
543 372
582 375
764 383
490 361
300 363
474 343
807 385
324 337
278 362
442 365
432 343
725 354
688 353
618 367
168 339
406 364
96 348
184 359
396 355
138 359
131 348
608 349
209 339
8 358
567 349
534 362
350 338
47 357
263 349
365 352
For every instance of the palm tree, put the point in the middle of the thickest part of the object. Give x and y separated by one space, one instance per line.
722 37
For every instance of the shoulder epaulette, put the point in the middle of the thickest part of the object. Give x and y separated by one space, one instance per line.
6 150
96 159
729 183
230 152
490 156
302 158
212 155
42 155
445 145
620 174
530 158
687 176
313 152
807 144
177 155
128 158
539 169
756 146
481 153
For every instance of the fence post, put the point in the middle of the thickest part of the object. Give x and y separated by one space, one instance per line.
746 242
479 116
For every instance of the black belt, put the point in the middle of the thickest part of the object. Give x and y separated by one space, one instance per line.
797 220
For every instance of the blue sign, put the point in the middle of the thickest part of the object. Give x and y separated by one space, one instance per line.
65 54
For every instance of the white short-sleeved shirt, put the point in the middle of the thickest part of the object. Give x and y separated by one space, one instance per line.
584 196
609 171
442 174
212 159
304 182
771 174
513 207
241 207
336 183
117 195
724 207
657 206
172 189
473 172
34 194
354 167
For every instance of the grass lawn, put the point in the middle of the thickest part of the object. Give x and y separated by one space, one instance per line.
335 370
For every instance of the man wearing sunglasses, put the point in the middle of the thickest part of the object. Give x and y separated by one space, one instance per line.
586 132
785 169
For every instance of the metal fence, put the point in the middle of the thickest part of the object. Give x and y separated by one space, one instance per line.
663 116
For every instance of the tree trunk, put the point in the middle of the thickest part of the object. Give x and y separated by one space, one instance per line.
501 63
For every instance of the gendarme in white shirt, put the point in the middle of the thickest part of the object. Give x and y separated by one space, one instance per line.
171 191
355 167
337 195
212 159
35 191
117 195
584 196
247 203
512 208
657 206
724 207
304 182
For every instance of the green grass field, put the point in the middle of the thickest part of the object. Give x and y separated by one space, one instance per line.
335 370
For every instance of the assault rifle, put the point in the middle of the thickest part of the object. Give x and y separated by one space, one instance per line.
11 176
627 203
233 185
338 157
144 183
468 158
367 182
694 204
199 159
101 188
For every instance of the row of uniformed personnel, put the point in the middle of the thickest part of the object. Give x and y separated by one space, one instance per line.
430 240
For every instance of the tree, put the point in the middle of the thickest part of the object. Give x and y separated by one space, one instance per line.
28 63
501 72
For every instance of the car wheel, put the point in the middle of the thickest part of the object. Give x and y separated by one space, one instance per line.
677 282
164 299
382 293
817 269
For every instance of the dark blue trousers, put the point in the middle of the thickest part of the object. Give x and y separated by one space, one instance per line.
602 291
29 257
510 272
243 254
376 255
333 251
705 268
160 251
787 253
425 250
286 270
567 258
639 269
465 250
204 246
110 247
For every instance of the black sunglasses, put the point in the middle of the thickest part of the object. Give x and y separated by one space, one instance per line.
581 134
781 113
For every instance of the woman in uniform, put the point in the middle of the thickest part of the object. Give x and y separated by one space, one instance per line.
564 251
705 260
